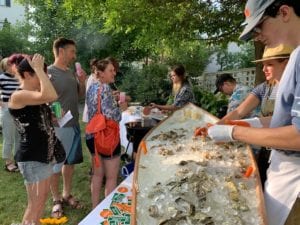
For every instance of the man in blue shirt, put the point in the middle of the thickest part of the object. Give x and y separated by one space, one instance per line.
226 84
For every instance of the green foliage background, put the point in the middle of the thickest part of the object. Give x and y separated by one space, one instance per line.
14 38
208 101
149 84
154 34
232 60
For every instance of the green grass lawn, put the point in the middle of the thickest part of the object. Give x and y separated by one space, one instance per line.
13 194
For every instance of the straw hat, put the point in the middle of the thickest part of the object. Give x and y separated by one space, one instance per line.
279 52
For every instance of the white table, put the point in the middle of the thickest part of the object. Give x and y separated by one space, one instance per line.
94 218
134 114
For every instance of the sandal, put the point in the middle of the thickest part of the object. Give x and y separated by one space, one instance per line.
11 167
71 201
57 210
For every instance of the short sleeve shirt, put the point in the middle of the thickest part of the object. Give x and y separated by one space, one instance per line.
66 86
89 82
287 105
184 96
8 84
260 90
239 94
109 106
266 94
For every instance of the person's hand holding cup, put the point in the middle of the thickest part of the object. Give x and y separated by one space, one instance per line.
122 101
80 72
122 97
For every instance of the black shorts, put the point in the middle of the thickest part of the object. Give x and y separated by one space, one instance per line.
91 146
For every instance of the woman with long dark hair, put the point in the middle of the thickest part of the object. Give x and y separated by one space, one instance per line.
182 90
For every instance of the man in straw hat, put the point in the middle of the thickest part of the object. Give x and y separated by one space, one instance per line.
274 22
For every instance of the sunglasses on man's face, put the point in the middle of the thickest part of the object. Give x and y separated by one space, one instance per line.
258 28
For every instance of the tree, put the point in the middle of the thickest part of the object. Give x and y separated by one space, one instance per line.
14 38
48 21
157 24
165 31
235 60
148 84
193 55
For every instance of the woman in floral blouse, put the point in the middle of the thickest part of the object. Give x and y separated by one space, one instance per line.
182 90
110 109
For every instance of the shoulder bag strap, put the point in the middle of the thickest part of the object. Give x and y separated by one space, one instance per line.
99 99
96 156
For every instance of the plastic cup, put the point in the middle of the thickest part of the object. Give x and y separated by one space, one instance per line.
122 98
78 68
146 110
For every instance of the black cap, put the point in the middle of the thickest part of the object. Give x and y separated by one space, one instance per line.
221 79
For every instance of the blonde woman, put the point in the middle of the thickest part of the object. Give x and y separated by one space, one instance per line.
8 84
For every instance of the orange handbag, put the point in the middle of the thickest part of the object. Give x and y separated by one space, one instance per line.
106 132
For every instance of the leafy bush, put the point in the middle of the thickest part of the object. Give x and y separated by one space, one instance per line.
150 84
208 101
146 85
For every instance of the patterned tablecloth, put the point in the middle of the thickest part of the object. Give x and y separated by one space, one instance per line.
115 209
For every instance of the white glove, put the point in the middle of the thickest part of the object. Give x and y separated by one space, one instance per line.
220 133
254 122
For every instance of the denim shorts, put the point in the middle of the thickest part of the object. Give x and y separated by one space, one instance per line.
34 171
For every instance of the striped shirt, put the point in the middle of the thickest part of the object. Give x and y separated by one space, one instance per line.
8 84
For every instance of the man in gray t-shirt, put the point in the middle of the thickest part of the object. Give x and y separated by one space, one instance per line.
68 87
67 94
